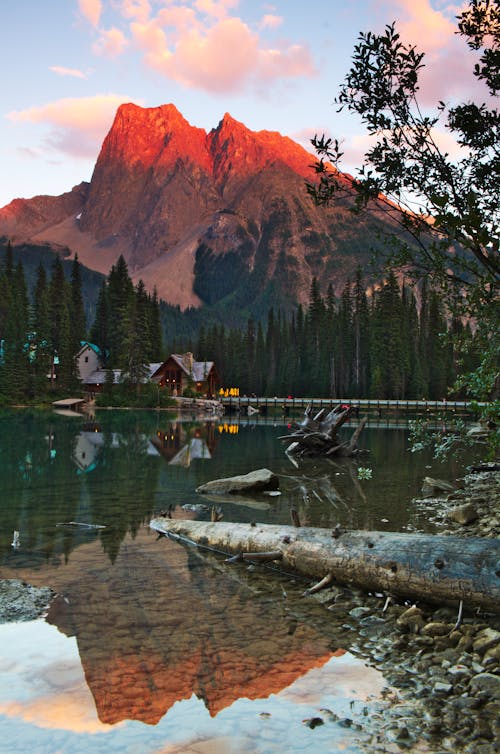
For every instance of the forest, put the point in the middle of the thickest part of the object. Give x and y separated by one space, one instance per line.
391 341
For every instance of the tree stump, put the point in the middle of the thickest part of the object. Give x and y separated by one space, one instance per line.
317 435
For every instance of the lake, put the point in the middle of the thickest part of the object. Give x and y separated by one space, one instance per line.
153 647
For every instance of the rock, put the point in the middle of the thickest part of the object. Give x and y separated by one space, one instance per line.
359 612
255 481
463 514
486 682
432 487
20 601
459 671
411 620
442 688
436 629
486 639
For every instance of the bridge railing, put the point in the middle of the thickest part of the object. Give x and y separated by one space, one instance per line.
375 404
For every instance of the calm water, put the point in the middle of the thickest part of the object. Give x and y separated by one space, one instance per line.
151 647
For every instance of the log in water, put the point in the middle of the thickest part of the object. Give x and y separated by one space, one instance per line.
425 567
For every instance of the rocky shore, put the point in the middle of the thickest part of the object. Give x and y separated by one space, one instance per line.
442 663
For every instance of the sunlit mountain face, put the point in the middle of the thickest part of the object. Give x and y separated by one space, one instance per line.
207 218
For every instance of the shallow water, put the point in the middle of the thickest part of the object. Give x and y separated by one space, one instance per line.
152 647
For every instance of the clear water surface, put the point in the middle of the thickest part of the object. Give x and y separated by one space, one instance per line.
151 647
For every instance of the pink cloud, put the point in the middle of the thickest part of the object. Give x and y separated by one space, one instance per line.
431 28
62 71
136 9
220 60
177 20
215 8
224 55
269 21
111 43
153 41
77 125
91 10
424 26
289 62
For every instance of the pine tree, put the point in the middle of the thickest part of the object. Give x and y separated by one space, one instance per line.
99 329
387 356
345 341
14 376
120 314
416 384
136 345
77 309
361 338
155 334
436 351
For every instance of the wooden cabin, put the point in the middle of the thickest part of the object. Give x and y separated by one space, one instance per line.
181 371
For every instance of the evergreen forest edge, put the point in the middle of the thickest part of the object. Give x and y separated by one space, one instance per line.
390 342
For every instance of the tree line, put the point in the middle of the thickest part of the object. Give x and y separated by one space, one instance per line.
379 343
41 331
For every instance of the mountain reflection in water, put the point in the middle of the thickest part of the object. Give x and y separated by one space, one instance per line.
174 626
158 625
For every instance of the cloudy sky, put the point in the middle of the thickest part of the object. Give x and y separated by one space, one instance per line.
68 64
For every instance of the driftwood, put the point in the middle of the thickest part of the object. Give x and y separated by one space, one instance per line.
424 567
317 435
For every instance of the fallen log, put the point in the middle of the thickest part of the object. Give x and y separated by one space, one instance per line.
426 567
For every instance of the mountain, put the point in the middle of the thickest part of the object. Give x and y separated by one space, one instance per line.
220 219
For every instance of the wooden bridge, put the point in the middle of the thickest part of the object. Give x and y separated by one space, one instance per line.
242 404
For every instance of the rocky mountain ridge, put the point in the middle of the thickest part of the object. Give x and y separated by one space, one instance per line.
206 218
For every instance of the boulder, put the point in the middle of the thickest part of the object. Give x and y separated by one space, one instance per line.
488 683
463 514
244 484
433 487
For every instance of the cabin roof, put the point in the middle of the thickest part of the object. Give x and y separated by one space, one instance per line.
199 369
98 376
87 344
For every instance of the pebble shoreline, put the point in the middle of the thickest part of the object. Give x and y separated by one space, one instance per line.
445 678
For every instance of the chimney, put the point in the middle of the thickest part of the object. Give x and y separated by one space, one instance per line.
188 360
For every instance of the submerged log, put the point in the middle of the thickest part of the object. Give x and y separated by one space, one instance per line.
317 435
424 567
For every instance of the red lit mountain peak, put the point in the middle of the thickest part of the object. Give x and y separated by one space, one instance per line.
200 216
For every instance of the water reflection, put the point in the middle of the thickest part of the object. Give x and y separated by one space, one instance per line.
167 637
180 443
57 713
118 469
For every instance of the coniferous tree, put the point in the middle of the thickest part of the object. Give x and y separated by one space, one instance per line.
361 338
67 378
77 309
155 335
14 377
387 343
436 351
345 341
99 329
415 381
133 359
120 314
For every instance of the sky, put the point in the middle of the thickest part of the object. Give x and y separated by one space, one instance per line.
68 65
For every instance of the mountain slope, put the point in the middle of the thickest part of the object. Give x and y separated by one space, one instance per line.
207 218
